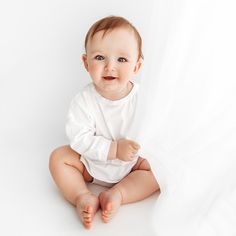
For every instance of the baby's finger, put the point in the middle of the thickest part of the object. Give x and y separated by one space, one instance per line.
131 156
134 151
133 143
136 145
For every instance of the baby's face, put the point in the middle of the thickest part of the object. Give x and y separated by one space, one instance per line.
112 60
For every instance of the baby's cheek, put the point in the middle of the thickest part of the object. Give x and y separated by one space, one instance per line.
95 67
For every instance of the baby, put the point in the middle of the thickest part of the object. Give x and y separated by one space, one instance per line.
98 124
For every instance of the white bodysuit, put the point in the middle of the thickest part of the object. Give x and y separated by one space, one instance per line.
93 123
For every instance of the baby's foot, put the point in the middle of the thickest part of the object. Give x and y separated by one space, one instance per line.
87 205
110 201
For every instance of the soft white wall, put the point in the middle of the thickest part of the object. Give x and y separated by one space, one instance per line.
41 70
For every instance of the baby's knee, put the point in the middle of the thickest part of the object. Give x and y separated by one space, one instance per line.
57 156
144 165
62 156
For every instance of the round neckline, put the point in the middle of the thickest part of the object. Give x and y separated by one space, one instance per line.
106 100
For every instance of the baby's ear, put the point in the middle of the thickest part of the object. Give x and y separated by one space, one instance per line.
84 58
138 65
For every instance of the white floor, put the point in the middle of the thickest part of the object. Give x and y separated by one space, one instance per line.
31 204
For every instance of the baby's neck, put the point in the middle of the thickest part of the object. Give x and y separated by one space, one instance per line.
117 94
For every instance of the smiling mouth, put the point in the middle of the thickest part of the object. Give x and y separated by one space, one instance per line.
109 77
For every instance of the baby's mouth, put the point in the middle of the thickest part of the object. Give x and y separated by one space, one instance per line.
109 77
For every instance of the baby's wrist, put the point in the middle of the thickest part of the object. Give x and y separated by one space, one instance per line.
112 151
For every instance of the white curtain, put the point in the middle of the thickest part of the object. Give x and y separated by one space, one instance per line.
186 119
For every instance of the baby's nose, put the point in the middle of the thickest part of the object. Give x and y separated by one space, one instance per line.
110 65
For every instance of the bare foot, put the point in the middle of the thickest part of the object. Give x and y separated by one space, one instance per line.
87 205
110 201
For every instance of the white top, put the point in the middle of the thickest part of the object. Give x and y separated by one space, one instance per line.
93 123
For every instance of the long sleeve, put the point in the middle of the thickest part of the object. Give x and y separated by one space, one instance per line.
81 131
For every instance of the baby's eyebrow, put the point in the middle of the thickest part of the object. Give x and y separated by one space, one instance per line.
96 52
124 54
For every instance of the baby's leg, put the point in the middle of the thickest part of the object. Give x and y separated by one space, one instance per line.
70 175
138 185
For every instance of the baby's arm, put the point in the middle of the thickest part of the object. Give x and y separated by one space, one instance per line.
123 149
80 129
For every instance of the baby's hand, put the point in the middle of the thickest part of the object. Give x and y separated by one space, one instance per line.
126 149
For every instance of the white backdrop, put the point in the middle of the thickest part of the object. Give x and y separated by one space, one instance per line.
188 80
186 121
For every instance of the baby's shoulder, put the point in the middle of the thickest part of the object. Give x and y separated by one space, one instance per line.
84 95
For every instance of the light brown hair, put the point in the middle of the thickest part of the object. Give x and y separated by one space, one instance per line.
112 22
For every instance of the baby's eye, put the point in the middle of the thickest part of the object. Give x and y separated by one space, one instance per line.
99 57
122 59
